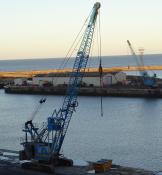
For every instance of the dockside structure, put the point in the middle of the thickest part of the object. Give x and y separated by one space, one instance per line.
89 79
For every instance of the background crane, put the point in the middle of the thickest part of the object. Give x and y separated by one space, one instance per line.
43 144
147 80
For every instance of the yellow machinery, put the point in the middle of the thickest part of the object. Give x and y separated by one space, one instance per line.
102 165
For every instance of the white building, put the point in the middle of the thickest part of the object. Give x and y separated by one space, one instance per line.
114 78
89 79
19 81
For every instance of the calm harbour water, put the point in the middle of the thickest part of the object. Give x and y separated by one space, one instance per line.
130 132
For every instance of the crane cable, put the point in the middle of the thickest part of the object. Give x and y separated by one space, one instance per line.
100 66
37 108
72 48
92 50
74 45
41 101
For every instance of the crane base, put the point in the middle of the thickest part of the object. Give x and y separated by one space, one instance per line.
47 167
62 161
38 167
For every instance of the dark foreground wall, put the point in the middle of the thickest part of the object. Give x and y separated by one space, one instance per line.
9 168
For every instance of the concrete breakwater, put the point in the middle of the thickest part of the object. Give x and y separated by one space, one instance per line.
87 91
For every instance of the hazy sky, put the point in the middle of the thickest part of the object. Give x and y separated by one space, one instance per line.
47 28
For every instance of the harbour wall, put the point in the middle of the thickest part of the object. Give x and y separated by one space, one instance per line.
87 91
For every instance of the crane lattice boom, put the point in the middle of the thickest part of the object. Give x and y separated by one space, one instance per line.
44 144
147 80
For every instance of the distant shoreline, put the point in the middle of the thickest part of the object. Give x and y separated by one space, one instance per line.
59 58
31 73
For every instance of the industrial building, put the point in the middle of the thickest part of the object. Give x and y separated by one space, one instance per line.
89 79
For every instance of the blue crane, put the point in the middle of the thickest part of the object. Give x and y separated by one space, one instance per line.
149 81
44 144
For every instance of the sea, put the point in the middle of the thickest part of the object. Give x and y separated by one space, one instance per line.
129 132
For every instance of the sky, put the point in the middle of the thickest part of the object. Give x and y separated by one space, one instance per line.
47 28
